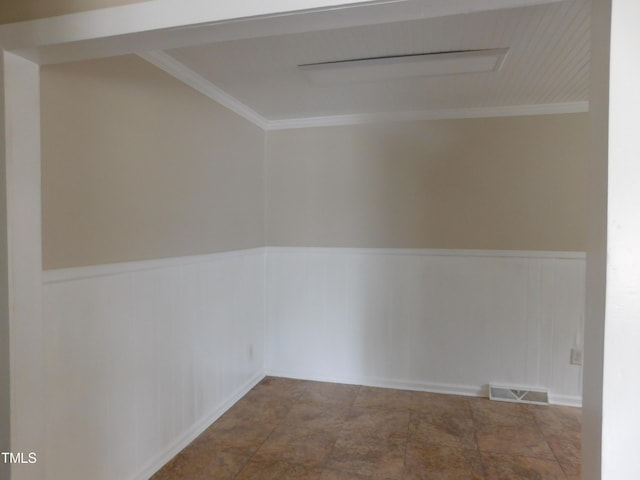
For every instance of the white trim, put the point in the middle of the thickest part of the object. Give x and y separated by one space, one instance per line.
566 400
178 70
431 252
448 389
77 273
480 112
442 388
24 255
159 461
148 17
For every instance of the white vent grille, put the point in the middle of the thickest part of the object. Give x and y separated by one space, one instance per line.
518 395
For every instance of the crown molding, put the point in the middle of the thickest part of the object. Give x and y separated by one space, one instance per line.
180 71
454 113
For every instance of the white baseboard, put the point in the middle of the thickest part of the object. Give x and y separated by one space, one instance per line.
466 390
430 252
199 427
449 389
566 400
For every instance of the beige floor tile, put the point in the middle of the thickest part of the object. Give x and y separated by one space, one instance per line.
273 468
297 445
317 416
511 467
219 464
513 440
571 470
369 457
260 408
383 398
338 475
437 404
225 463
378 424
230 430
289 429
488 412
427 462
553 419
566 448
456 432
330 393
281 387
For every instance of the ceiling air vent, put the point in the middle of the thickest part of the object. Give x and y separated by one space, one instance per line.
519 395
406 66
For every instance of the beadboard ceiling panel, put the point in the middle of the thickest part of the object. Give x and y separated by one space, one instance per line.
547 63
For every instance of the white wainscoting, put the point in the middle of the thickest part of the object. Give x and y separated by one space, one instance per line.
141 357
434 320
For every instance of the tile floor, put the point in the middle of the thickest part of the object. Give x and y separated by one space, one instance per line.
293 429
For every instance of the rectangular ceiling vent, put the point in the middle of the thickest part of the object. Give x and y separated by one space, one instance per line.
518 395
406 66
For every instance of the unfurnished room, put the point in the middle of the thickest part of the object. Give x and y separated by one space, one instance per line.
383 240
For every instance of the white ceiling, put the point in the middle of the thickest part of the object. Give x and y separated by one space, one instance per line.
548 63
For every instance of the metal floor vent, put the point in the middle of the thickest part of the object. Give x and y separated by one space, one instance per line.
518 395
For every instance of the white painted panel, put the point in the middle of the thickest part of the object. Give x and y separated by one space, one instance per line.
142 358
563 287
621 336
24 260
144 26
451 322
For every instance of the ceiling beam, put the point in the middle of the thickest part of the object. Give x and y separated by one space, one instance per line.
164 24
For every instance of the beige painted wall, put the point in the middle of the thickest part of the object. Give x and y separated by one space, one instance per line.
503 183
21 10
136 165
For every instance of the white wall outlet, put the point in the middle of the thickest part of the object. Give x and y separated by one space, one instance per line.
576 356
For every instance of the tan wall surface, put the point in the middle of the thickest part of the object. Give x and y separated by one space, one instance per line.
21 10
515 183
136 165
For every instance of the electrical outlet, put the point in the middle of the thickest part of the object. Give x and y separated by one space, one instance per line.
576 356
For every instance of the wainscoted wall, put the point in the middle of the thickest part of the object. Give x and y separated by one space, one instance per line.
438 320
142 356
517 183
